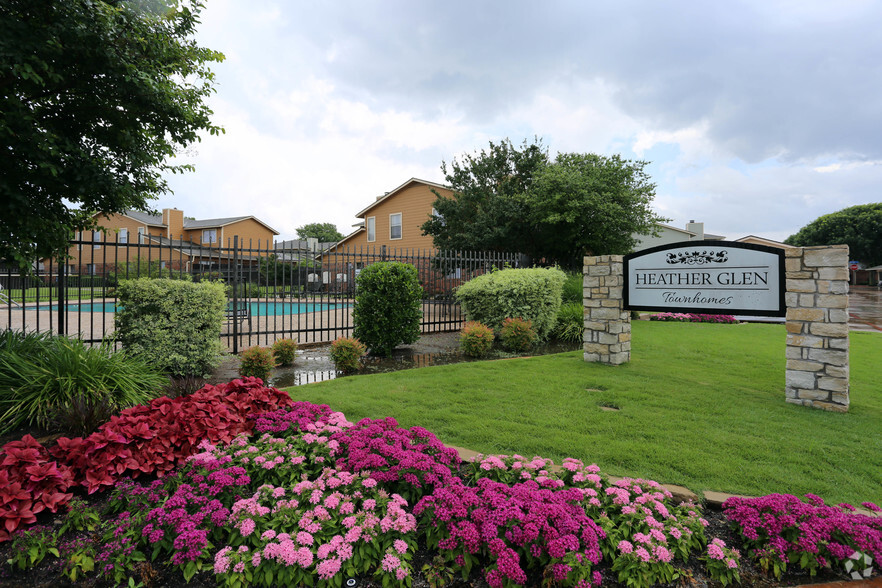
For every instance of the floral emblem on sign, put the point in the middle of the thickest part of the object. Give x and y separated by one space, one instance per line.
698 257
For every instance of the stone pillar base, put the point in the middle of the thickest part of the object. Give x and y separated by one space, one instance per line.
607 336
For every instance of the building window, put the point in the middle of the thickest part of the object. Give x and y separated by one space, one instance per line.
141 235
209 236
96 239
371 229
90 269
123 236
395 226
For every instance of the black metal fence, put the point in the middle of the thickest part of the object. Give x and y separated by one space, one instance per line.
273 292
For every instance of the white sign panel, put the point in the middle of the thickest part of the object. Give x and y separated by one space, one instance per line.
710 277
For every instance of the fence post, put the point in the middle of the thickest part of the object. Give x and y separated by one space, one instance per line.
62 282
235 293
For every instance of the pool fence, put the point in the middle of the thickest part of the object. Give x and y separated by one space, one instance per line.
274 290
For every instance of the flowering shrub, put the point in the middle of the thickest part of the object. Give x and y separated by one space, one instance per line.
722 562
517 334
155 438
475 339
689 317
339 524
284 350
509 469
513 530
257 361
30 482
410 462
781 530
643 530
346 354
299 417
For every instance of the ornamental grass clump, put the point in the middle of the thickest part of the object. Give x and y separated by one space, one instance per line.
346 353
570 323
43 378
284 351
257 362
780 530
475 339
517 334
513 531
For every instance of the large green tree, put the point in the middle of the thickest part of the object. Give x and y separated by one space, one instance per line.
517 199
859 227
486 212
95 97
324 232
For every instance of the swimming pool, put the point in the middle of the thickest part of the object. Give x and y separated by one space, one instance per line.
257 308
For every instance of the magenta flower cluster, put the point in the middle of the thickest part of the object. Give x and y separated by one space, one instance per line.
298 417
411 462
515 528
340 522
781 528
689 317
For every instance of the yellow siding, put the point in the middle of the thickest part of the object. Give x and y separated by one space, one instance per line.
250 232
107 253
414 203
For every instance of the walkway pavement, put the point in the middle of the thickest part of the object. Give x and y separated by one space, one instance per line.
865 309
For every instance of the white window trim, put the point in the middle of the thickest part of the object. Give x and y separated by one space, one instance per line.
400 226
209 231
123 236
141 232
371 229
96 239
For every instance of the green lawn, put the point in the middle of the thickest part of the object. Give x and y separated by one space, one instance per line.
700 405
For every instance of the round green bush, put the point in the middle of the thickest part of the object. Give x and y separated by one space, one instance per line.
257 361
346 354
284 351
387 311
475 339
532 293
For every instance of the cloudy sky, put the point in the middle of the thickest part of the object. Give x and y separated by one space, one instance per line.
757 116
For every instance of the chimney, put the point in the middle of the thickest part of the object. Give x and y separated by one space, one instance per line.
173 219
697 228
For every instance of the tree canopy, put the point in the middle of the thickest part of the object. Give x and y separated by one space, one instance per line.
95 97
859 227
324 232
516 199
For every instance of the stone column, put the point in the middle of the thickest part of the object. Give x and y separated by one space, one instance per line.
817 327
607 337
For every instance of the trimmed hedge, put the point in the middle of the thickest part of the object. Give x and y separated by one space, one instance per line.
172 324
532 294
387 311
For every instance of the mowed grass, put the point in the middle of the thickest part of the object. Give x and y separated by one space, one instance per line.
700 405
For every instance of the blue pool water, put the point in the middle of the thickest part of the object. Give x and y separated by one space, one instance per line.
259 308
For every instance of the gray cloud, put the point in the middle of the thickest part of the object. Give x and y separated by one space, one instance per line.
792 81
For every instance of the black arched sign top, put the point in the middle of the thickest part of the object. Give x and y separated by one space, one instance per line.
709 277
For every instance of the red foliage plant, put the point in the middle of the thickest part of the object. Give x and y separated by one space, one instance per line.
30 482
156 438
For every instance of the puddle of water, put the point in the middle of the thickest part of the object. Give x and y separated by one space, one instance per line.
315 365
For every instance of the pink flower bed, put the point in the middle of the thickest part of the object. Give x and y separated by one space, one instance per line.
689 317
